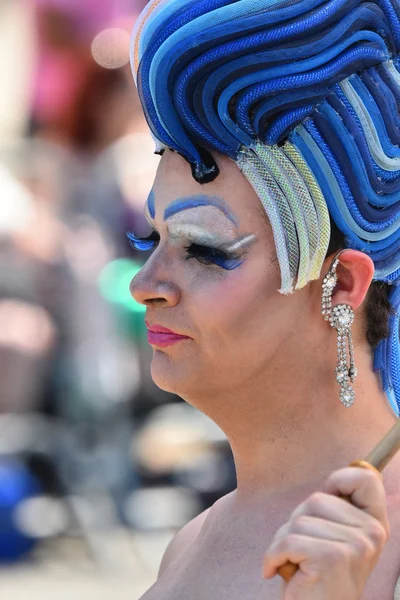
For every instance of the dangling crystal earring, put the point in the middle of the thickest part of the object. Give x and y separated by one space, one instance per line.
341 318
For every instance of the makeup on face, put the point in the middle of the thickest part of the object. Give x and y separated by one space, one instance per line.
182 204
207 224
151 204
162 337
202 226
209 227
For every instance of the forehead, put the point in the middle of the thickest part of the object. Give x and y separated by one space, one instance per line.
174 180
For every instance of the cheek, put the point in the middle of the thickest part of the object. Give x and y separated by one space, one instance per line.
232 304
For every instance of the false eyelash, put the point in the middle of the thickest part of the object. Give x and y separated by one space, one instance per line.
144 244
211 256
204 254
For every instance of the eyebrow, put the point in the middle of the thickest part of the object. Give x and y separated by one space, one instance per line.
182 204
151 204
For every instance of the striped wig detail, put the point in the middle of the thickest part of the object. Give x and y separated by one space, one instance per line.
304 96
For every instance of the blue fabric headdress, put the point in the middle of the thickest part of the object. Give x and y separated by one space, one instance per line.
304 96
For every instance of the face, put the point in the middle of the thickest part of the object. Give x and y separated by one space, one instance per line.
212 278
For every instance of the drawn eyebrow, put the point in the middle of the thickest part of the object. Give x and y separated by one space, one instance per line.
150 204
181 204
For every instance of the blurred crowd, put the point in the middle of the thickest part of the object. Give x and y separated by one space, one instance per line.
88 444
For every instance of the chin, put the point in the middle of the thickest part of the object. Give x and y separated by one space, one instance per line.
164 372
175 376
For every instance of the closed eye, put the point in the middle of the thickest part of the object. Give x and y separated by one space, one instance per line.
213 256
205 255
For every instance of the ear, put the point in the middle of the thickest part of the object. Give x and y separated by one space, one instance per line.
355 273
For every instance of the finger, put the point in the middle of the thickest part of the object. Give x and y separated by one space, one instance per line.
319 529
314 556
365 489
331 508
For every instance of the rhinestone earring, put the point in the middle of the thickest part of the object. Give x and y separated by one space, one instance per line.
341 318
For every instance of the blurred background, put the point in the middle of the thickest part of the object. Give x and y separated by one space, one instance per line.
98 468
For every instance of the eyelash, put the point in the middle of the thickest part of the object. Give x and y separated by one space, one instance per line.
204 254
144 244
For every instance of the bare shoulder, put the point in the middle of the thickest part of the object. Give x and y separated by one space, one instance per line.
182 541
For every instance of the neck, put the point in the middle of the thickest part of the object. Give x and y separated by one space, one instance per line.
295 432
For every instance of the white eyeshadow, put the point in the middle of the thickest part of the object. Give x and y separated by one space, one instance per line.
240 243
194 233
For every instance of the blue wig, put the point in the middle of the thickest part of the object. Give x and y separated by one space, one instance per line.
304 96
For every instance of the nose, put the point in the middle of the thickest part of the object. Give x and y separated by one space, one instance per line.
153 286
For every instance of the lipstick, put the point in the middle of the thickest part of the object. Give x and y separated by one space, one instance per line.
162 337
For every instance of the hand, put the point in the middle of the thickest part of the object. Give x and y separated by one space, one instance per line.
335 544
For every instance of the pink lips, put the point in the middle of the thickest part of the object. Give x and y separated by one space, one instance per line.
162 337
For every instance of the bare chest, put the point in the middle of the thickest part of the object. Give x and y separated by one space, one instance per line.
213 573
198 589
223 566
242 580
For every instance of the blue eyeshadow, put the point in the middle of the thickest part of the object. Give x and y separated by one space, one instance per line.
182 204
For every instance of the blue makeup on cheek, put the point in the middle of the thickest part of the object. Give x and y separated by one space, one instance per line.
182 204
